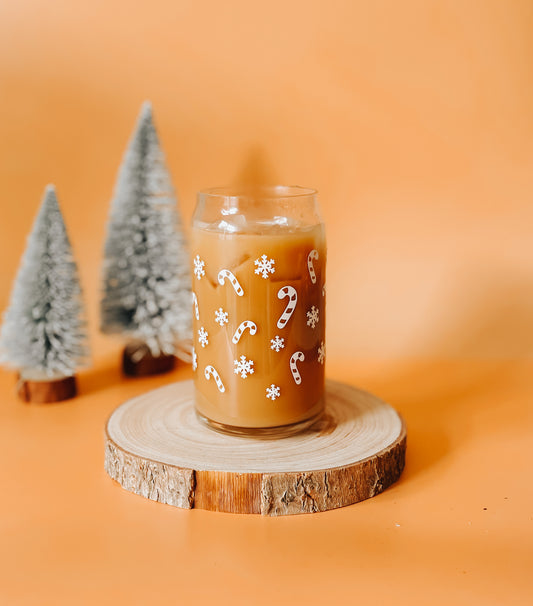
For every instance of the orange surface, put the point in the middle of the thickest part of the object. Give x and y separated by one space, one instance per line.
456 529
413 119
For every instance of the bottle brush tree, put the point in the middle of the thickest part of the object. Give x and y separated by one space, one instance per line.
147 287
44 332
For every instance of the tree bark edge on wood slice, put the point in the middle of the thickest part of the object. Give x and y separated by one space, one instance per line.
270 493
47 392
138 361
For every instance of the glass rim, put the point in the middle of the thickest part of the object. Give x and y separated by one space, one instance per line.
263 192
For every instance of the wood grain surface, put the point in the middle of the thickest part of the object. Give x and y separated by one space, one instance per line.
157 448
47 391
138 361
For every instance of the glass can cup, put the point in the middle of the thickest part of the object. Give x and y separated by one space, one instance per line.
259 261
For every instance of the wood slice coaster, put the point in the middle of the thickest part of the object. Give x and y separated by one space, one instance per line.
138 361
47 391
156 447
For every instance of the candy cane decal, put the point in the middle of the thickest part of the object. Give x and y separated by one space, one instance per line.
210 371
226 273
195 301
312 255
287 291
242 327
296 357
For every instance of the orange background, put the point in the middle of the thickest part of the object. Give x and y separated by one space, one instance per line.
414 121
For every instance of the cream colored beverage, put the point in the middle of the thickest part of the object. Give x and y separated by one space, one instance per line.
259 323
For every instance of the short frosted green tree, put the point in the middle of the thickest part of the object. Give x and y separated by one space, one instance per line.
44 331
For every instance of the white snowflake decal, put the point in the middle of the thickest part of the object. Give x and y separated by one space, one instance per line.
322 353
273 392
221 316
194 359
277 343
243 367
312 317
264 266
199 265
202 336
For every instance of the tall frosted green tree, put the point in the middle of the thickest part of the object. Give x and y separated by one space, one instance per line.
147 287
44 331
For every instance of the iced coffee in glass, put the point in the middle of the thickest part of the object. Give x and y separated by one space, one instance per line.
258 303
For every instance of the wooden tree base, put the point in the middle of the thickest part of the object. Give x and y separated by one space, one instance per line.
156 447
47 391
138 361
